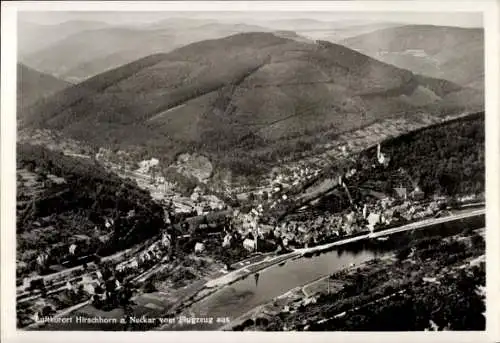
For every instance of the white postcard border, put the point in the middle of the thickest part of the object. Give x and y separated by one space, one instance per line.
489 8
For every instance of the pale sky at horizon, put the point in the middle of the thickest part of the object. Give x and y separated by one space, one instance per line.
461 19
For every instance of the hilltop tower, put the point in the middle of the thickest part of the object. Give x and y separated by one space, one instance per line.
381 158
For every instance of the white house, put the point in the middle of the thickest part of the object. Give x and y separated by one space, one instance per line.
373 219
417 193
227 241
199 209
42 258
165 240
89 288
134 263
145 165
249 244
195 196
199 248
108 223
350 217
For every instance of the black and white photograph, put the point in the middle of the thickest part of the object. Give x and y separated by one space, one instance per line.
273 170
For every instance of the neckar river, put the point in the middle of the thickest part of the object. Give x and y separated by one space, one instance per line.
243 295
234 300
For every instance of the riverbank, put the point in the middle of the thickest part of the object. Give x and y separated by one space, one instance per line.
260 266
199 291
213 294
225 299
350 299
412 226
324 284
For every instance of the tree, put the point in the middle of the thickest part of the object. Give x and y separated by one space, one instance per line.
149 287
251 197
265 196
453 203
477 241
403 253
47 311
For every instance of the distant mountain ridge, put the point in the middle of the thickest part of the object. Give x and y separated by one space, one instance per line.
33 37
93 51
245 100
333 31
89 52
451 53
77 50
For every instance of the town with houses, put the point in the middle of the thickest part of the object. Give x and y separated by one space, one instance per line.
109 283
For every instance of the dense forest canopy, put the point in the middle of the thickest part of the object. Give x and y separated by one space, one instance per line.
446 158
89 197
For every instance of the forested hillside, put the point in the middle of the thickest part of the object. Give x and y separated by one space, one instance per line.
61 198
33 85
245 101
448 158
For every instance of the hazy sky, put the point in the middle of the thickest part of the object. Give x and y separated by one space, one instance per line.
462 19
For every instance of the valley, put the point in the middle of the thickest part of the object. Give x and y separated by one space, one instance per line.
292 114
254 173
164 267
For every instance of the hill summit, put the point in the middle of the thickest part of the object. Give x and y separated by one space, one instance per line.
245 101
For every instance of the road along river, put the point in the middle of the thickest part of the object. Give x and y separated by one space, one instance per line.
241 291
241 296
